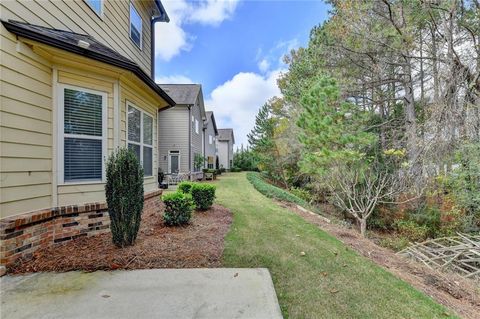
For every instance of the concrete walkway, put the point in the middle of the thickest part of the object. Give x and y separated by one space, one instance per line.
158 293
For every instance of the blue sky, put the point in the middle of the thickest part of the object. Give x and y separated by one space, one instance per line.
234 49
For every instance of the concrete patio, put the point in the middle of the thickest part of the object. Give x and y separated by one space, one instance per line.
156 293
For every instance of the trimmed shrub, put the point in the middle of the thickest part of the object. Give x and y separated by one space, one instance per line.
124 194
185 187
235 169
178 208
203 195
272 191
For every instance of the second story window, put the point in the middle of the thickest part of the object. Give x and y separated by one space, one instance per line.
96 5
135 26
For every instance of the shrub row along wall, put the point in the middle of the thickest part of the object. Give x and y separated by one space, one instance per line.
22 235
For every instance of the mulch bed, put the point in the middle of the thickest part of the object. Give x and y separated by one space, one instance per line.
199 244
451 290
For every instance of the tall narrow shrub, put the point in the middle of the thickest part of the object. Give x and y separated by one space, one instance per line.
124 193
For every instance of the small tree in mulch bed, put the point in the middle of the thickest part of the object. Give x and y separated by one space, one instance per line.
124 193
178 208
203 195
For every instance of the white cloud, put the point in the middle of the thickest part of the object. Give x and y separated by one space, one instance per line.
173 79
273 58
171 39
264 65
213 12
237 101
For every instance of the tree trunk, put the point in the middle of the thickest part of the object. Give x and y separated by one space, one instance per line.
410 117
363 227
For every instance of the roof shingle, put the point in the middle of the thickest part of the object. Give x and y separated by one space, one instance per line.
226 134
183 94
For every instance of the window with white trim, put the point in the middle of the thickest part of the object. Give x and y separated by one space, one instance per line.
96 5
135 26
82 134
140 137
210 139
196 126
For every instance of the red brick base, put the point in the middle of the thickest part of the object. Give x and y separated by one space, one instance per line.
22 235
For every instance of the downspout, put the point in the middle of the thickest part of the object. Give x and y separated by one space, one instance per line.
190 140
204 146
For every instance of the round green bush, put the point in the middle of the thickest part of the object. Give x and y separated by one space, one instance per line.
178 208
203 195
185 187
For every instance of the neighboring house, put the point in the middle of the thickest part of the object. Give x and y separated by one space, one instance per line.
225 142
210 133
180 134
76 83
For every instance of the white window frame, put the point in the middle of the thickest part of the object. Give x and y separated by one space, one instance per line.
61 133
100 14
142 144
130 26
196 127
169 164
210 139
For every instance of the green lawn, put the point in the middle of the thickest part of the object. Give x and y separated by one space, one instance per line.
330 281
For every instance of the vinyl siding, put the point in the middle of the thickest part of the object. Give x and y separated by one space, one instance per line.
223 154
196 138
210 148
173 127
27 117
111 29
25 128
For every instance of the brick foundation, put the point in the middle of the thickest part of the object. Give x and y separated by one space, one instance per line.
22 235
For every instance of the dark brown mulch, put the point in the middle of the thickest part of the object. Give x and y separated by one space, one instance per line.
199 244
457 293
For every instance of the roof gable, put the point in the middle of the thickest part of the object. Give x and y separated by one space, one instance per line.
210 118
226 134
184 94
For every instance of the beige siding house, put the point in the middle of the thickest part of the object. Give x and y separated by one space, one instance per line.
225 142
181 130
76 83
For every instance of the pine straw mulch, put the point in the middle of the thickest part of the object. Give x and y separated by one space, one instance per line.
454 292
199 244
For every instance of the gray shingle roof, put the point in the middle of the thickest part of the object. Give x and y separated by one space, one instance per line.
226 134
209 115
183 94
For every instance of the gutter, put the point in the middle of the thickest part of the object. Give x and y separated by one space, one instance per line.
190 166
130 66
